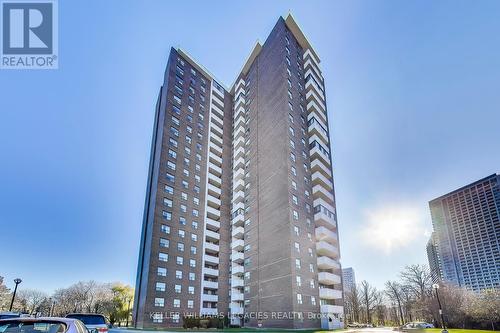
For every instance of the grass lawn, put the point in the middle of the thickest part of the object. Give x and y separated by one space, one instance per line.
457 330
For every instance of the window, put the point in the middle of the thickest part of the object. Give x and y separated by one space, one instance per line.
311 268
174 131
292 144
180 247
186 173
162 256
167 202
162 271
164 242
290 115
170 177
192 263
177 99
182 220
179 260
196 201
313 300
291 130
309 235
167 215
247 276
292 157
191 276
299 299
295 215
195 212
298 280
165 229
172 154
310 252
184 196
177 288
294 171
159 301
157 317
294 199
194 224
289 94
182 233
176 316
169 189
297 263
160 286
296 230
178 275
194 237
190 304
183 208
188 139
171 165
191 290
177 303
297 247
294 185
175 120
193 249
311 284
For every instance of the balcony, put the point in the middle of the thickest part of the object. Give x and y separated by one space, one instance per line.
211 259
239 163
327 263
236 310
239 111
217 101
238 185
208 311
237 257
237 270
319 179
211 247
240 206
237 144
209 298
312 85
238 232
238 245
214 128
216 109
322 219
214 190
213 213
215 159
240 152
212 224
237 296
318 166
332 309
240 84
240 131
217 120
216 150
238 197
327 293
328 278
237 283
320 192
311 95
216 140
210 272
326 249
212 236
313 108
238 174
325 234
213 202
240 101
210 284
238 220
315 152
216 170
316 129
214 180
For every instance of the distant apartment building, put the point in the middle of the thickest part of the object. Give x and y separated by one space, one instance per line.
240 213
465 246
348 279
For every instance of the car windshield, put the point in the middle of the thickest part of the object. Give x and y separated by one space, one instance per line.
17 326
88 319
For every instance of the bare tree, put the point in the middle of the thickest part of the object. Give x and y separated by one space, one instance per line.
29 300
4 295
369 296
394 291
487 306
418 279
352 304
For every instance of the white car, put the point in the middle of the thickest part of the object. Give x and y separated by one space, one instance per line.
95 323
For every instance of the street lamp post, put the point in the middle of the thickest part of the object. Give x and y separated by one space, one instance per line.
436 287
16 281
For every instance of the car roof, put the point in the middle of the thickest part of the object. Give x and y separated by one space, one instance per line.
28 319
85 314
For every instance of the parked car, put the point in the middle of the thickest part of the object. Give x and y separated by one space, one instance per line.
7 315
42 325
95 323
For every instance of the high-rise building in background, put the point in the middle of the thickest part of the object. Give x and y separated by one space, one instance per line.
348 279
465 246
240 214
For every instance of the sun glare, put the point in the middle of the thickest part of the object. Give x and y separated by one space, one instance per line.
390 228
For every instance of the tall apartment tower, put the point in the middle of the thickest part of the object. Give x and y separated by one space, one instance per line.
240 216
348 279
467 235
433 259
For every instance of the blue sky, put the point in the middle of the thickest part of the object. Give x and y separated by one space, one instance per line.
413 101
